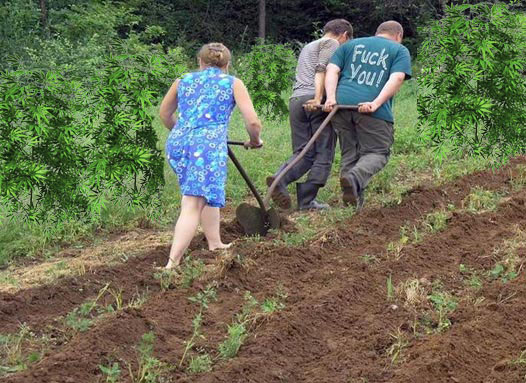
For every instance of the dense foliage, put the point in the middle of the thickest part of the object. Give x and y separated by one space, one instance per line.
268 70
66 143
472 86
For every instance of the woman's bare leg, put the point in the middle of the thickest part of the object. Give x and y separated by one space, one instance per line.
210 224
185 228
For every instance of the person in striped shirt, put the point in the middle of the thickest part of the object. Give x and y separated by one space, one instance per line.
309 89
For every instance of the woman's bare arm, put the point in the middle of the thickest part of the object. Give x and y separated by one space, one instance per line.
169 106
246 107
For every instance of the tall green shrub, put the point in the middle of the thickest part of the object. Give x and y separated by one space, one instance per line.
268 70
125 157
64 145
472 87
41 156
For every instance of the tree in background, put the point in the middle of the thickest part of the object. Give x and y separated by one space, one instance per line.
262 19
472 90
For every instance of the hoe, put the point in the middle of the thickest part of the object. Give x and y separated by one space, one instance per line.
259 220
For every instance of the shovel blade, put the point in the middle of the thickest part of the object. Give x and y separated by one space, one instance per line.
252 219
273 220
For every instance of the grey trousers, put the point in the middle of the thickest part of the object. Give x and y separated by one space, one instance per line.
321 155
365 144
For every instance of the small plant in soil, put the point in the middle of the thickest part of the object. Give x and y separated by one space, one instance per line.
519 181
203 298
306 230
417 236
21 349
237 333
473 279
199 364
481 201
112 372
412 292
474 282
509 261
138 299
395 248
196 334
399 343
499 271
77 321
390 288
520 361
271 305
436 221
192 270
150 369
166 279
80 319
117 296
334 216
444 304
11 353
250 313
369 259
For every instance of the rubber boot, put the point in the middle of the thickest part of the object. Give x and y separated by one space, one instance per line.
351 195
306 193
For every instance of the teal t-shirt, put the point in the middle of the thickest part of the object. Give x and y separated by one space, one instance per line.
365 66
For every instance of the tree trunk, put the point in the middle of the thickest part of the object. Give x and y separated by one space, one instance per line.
262 19
43 14
443 5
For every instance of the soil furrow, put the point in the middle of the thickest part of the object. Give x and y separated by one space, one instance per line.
337 323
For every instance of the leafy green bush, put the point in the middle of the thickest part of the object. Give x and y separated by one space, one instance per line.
65 144
472 88
268 70
40 154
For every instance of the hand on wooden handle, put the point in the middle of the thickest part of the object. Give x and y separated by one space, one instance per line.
254 145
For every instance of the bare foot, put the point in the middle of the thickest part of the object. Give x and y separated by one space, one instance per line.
172 263
220 246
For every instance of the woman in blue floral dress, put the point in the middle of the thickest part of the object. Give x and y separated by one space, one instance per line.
196 147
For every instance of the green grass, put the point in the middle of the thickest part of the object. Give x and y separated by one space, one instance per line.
411 163
200 364
237 334
481 201
20 350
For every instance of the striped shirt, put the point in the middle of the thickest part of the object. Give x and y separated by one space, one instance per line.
314 58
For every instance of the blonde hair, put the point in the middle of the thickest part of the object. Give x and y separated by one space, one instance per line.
214 54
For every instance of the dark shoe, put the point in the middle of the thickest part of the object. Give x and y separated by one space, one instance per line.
306 194
280 195
350 195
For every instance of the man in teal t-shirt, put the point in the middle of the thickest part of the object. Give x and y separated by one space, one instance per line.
368 72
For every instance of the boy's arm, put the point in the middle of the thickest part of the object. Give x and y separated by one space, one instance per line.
327 49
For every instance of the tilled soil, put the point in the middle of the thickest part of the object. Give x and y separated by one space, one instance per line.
338 324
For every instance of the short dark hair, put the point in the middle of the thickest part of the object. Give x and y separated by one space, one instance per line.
338 27
390 27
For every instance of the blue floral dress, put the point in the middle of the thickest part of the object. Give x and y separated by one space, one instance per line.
196 147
